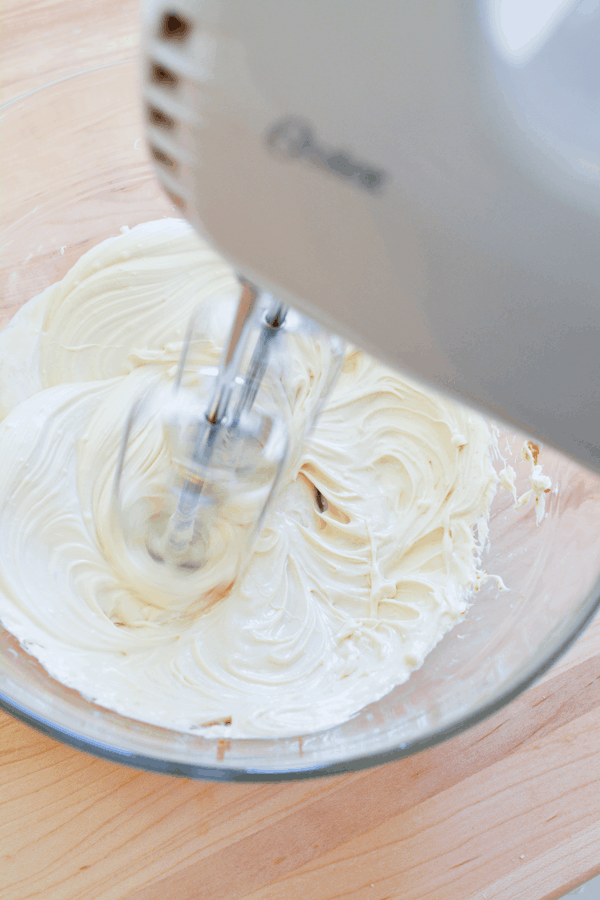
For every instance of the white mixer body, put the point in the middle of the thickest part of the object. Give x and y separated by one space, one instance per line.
410 174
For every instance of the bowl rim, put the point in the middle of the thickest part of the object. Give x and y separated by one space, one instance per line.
56 81
233 773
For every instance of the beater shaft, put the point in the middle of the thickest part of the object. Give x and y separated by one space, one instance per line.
181 527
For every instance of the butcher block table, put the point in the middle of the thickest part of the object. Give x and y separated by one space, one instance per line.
509 810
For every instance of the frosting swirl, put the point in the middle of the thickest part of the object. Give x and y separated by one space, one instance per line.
367 557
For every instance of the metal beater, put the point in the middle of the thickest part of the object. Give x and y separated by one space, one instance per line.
227 439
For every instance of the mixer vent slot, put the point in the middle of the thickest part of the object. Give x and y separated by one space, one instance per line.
162 76
160 118
164 159
174 27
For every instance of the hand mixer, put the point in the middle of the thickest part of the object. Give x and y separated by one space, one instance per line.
421 178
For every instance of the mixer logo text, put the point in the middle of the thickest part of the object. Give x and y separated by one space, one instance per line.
294 138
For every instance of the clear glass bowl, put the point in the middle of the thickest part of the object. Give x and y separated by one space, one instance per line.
75 170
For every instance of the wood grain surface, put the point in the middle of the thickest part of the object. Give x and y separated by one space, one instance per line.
509 810
42 41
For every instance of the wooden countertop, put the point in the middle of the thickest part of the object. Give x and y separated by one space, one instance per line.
507 811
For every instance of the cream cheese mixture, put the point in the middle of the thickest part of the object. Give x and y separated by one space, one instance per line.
343 598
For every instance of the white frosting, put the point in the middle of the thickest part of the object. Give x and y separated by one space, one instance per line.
336 607
541 484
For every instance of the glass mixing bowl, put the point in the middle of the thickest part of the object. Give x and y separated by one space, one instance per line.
75 170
